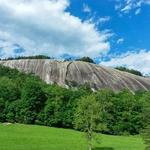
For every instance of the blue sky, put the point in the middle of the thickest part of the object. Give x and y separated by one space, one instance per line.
133 29
113 32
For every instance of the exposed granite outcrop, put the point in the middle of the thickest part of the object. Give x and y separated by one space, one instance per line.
78 73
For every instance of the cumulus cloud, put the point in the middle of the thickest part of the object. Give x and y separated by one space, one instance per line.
139 61
126 6
45 27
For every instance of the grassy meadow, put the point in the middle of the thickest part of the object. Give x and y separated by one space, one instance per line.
32 137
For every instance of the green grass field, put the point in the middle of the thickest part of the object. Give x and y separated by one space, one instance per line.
27 137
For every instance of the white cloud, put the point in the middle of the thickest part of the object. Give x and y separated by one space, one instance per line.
98 20
86 8
139 61
44 27
126 6
118 6
120 41
104 19
138 11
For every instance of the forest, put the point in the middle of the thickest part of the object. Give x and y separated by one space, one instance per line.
24 98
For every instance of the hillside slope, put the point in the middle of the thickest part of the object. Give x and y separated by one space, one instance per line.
28 137
78 73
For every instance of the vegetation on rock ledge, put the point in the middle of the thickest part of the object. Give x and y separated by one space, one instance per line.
135 72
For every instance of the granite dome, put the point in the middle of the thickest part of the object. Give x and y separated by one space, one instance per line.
77 73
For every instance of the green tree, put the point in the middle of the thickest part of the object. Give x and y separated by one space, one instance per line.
8 89
33 100
146 115
87 117
128 113
86 59
138 73
24 98
12 111
2 110
146 137
105 97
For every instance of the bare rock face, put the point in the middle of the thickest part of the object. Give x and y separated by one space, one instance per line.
79 73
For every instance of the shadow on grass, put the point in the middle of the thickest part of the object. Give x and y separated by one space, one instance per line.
103 148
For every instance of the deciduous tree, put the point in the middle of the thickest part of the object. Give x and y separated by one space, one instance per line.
87 117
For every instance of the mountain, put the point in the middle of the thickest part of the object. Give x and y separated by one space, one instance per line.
72 74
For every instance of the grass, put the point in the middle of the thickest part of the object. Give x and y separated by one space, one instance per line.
29 137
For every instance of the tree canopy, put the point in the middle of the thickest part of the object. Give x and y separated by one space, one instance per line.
136 72
28 57
87 117
86 59
24 98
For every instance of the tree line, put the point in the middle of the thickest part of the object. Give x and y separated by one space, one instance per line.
28 57
84 59
132 71
24 98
